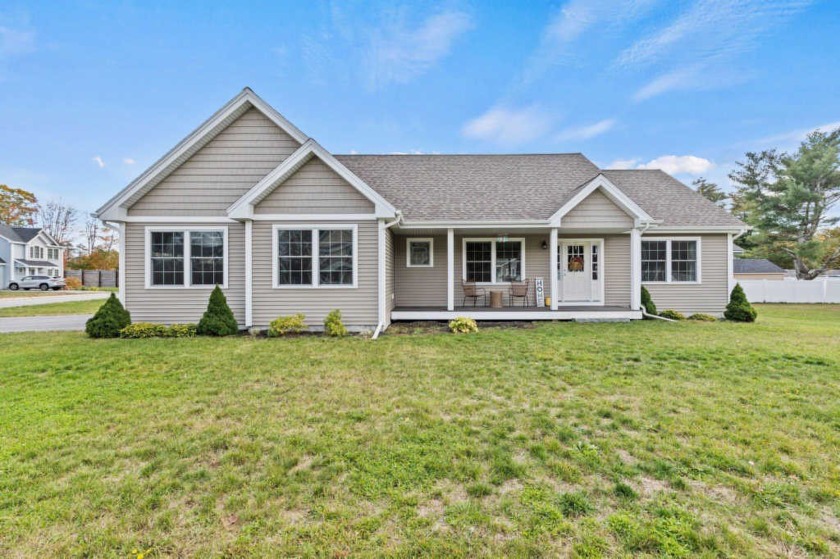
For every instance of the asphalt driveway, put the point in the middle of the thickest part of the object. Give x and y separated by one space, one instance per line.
43 323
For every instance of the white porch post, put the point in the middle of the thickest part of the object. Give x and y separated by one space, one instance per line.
552 257
381 274
450 269
635 269
730 274
249 273
121 264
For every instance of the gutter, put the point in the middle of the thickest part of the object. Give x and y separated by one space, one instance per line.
657 317
381 326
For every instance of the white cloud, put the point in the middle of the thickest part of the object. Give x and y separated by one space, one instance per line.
398 54
683 78
679 164
788 140
99 161
586 132
128 161
15 42
509 126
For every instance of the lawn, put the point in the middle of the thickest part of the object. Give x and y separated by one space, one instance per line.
639 439
51 309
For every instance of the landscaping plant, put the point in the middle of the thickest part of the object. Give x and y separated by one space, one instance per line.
672 314
108 320
333 325
647 302
218 319
463 325
283 325
700 317
739 309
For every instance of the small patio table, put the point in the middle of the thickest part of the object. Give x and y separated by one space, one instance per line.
496 298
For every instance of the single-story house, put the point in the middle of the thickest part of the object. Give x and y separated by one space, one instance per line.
28 251
251 203
757 269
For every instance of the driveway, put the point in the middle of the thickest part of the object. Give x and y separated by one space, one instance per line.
44 299
43 323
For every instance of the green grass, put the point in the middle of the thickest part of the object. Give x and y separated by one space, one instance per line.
641 439
9 294
51 309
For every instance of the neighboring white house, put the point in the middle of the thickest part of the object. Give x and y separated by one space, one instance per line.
26 251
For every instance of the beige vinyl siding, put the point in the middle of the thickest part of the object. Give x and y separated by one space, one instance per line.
358 305
315 188
221 171
711 295
389 272
180 304
420 287
617 278
597 211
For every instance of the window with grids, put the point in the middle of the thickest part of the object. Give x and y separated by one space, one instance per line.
670 260
335 257
594 262
683 260
508 261
52 254
36 252
654 260
294 255
167 257
420 253
479 261
207 258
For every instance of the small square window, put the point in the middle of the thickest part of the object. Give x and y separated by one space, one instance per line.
420 253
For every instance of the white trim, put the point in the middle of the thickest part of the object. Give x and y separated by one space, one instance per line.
315 228
553 261
635 269
147 255
602 280
381 275
313 217
493 240
450 269
410 240
244 206
672 229
249 273
176 219
480 313
121 264
611 191
524 224
668 280
730 265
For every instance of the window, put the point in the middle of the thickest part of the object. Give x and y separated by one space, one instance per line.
36 252
671 260
315 257
494 261
420 253
52 254
594 262
192 257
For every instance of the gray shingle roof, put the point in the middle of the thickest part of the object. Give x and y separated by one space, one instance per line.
2 261
35 262
519 187
755 266
19 234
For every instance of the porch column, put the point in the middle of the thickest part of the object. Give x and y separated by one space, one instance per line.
249 273
635 269
552 258
450 269
120 265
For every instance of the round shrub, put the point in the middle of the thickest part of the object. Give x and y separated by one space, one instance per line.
647 302
463 325
108 320
333 325
140 330
72 283
739 309
218 319
700 317
672 314
180 331
283 325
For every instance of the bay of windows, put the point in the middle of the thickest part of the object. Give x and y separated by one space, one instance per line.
493 260
670 260
315 257
180 258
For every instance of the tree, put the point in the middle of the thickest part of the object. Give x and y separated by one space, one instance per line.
218 319
108 320
18 207
57 219
710 191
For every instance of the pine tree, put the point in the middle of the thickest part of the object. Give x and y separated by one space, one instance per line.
108 320
218 319
739 309
647 302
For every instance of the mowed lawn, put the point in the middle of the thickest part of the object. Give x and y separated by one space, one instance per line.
640 439
52 309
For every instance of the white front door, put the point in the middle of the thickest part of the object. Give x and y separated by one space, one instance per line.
579 271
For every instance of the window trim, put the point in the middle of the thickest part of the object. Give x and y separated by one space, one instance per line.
431 242
668 279
316 271
57 253
147 258
493 241
41 252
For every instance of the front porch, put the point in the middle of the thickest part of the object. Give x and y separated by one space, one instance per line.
580 313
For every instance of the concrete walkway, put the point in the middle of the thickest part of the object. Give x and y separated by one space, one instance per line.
44 323
24 301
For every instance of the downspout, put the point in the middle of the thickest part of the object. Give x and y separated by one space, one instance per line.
381 326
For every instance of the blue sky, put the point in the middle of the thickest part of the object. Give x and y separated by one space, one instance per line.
91 93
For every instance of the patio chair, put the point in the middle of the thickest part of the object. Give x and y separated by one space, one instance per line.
472 291
520 290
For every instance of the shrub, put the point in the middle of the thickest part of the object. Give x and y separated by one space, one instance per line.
108 320
647 302
72 283
181 331
333 326
739 309
140 330
702 317
672 314
463 325
283 325
218 319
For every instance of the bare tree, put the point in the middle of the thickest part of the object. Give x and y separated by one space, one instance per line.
57 218
99 236
92 226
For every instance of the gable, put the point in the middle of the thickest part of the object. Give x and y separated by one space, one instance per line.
314 188
596 210
221 171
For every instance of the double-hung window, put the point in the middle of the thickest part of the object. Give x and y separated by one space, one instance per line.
52 254
36 252
194 257
494 260
317 256
671 260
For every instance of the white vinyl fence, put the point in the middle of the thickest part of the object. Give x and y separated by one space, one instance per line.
820 290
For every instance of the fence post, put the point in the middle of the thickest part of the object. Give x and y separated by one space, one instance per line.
825 289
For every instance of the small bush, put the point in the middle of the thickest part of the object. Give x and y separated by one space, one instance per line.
463 325
702 317
72 283
647 302
140 330
283 325
739 309
108 320
181 331
672 314
218 319
333 325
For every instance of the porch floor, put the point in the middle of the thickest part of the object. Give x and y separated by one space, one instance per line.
577 312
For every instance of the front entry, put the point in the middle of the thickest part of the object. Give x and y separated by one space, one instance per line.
580 271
